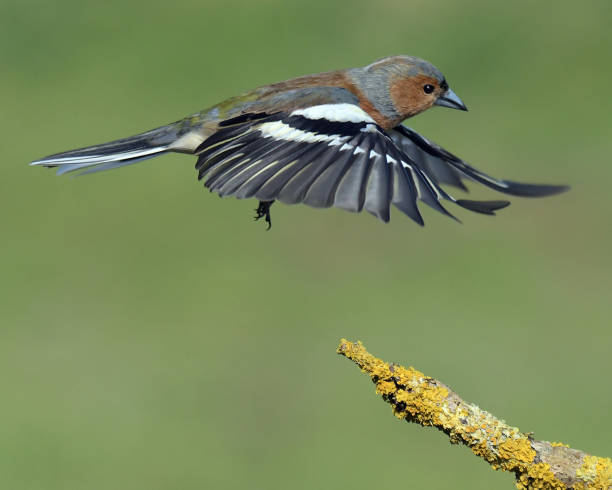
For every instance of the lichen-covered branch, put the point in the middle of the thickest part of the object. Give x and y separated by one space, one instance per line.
426 401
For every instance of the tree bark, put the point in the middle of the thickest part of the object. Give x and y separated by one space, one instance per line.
421 399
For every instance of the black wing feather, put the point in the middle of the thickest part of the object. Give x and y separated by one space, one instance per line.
260 174
322 191
380 185
248 167
404 193
297 187
350 193
320 162
272 188
448 168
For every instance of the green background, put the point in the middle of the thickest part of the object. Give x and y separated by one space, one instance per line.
154 337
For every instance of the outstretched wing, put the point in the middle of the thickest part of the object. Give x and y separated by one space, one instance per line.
446 168
324 155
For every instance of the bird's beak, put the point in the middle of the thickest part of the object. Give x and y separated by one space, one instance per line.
450 99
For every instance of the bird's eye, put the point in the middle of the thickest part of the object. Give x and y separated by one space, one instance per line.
428 88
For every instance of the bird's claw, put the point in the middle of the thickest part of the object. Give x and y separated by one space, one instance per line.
263 211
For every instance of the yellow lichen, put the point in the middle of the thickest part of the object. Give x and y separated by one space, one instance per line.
597 472
539 476
517 449
424 400
385 388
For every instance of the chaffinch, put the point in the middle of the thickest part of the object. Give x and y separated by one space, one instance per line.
328 139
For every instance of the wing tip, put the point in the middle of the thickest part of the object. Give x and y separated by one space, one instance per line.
385 217
483 207
534 190
420 222
555 189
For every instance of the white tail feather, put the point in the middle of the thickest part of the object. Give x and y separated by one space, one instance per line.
97 163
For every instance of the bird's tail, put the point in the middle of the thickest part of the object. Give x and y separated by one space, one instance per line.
115 153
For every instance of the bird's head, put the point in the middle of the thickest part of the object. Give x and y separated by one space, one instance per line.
402 86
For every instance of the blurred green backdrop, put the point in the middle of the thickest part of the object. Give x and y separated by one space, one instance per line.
154 337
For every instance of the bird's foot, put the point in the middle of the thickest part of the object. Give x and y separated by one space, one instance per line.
263 211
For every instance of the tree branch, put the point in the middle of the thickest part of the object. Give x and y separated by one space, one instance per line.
426 401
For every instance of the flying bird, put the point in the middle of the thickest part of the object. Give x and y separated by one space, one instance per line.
328 139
